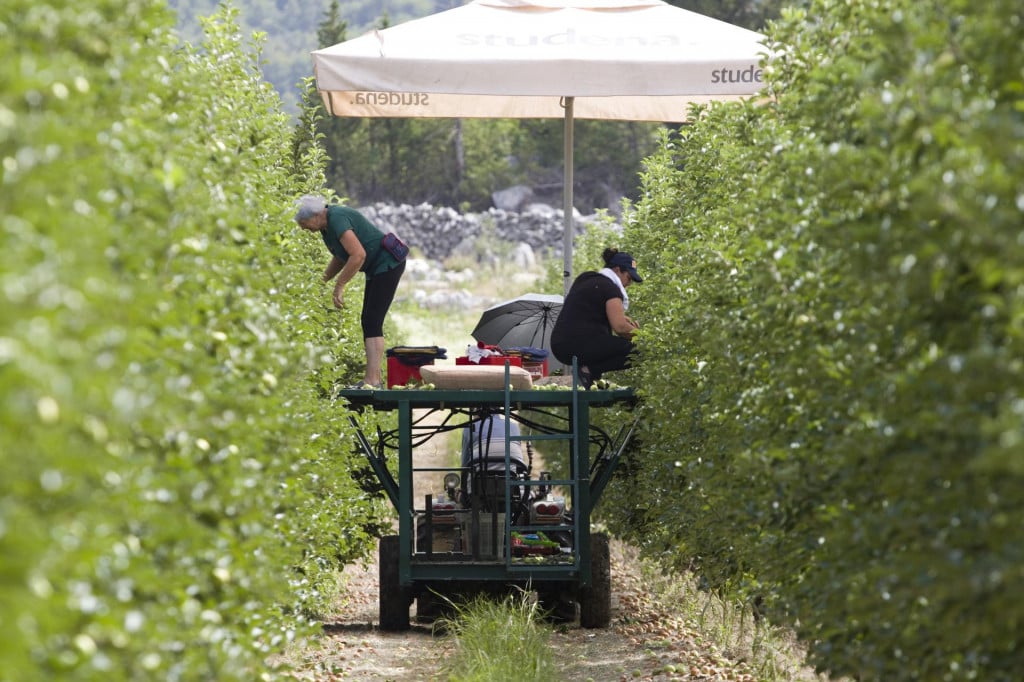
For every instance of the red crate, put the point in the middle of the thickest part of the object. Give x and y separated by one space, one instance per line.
492 360
400 373
536 369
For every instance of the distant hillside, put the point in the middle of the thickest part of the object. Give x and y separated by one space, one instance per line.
291 29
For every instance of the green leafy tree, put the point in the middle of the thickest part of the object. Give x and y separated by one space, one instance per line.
752 14
176 493
830 350
385 159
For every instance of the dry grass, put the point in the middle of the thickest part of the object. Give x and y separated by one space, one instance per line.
773 653
500 640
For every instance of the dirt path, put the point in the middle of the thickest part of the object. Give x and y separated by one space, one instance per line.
644 642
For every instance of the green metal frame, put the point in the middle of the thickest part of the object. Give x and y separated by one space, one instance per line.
586 492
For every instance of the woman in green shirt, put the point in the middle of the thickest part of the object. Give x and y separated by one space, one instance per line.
356 246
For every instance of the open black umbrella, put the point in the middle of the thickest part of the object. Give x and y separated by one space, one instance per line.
523 322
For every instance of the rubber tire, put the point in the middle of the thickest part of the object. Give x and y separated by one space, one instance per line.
394 599
596 598
558 604
429 607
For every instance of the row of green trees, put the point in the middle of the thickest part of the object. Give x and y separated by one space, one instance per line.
174 498
831 366
833 350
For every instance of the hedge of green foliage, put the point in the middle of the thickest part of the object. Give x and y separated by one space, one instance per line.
174 498
833 370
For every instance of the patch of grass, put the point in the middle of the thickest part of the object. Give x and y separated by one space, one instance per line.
499 639
451 330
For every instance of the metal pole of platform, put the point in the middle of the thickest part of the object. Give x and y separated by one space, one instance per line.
405 529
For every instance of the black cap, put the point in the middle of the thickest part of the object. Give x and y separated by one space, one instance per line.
626 262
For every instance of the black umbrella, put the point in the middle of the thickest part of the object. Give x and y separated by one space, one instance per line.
523 322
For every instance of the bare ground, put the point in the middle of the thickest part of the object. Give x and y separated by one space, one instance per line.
645 641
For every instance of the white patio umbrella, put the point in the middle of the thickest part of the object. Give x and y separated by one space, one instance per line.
641 60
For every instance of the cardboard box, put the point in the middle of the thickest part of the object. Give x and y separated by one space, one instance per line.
445 533
491 544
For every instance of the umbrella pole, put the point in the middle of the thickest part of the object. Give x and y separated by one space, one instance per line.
567 190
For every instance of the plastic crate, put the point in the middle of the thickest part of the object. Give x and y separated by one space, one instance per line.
492 360
400 373
536 369
490 537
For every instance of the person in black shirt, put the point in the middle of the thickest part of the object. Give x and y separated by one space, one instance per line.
593 325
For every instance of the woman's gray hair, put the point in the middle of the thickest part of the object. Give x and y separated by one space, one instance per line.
309 206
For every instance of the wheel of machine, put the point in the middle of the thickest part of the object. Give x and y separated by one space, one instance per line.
429 607
596 599
558 603
394 599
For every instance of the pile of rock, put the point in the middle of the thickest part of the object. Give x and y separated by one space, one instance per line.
439 232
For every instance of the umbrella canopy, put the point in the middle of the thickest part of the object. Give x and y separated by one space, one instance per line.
598 59
522 322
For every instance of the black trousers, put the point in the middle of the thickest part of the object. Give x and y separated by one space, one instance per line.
600 353
380 292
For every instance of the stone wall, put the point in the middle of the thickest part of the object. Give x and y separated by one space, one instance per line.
439 232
